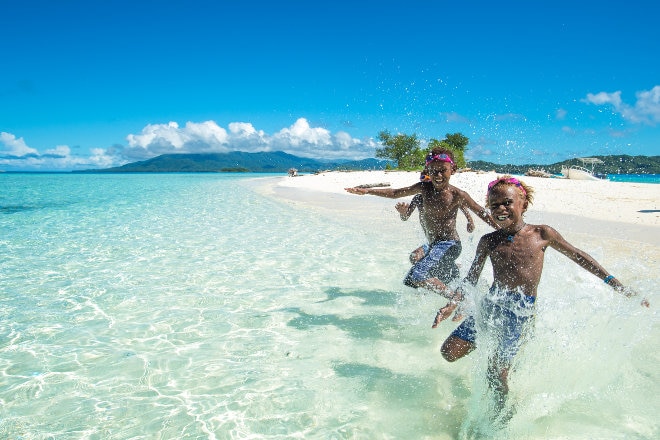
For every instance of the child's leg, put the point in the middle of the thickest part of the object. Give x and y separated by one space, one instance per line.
461 341
498 381
455 348
498 376
437 262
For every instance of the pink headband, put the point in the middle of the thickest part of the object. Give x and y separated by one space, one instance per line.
438 158
511 180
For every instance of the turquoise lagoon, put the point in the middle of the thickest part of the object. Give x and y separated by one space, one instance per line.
195 306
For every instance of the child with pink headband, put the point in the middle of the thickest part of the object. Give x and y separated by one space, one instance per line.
405 210
516 251
439 208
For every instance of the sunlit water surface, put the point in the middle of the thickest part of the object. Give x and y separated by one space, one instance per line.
192 306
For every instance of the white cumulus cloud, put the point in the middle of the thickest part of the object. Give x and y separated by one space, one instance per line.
15 154
300 139
11 146
646 109
604 98
244 137
301 133
156 139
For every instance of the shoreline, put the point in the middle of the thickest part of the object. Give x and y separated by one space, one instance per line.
612 210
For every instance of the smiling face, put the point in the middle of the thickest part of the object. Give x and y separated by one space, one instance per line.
507 205
440 172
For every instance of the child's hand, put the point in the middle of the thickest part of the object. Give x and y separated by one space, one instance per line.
402 208
627 291
416 255
458 315
444 313
358 191
470 226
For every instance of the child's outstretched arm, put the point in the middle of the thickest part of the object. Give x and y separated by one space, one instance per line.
584 260
467 201
468 217
472 277
390 193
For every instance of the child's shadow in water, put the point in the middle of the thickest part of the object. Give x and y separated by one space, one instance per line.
370 297
358 327
371 326
412 391
373 377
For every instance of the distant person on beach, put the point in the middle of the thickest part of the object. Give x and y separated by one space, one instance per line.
441 202
516 251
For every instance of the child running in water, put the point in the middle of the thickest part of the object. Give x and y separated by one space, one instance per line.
516 252
441 202
405 210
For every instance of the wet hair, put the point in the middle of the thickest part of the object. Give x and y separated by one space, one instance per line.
526 190
439 151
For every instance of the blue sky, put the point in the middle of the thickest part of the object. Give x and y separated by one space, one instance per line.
96 84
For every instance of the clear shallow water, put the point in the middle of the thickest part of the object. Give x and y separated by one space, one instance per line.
637 178
631 178
191 306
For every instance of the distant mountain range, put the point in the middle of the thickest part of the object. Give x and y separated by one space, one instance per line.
614 164
239 161
281 162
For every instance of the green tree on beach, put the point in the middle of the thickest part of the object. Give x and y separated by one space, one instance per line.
402 148
406 151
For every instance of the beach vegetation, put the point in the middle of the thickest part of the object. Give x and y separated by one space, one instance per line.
612 164
405 149
402 148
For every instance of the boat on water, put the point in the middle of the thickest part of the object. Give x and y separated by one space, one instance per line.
577 172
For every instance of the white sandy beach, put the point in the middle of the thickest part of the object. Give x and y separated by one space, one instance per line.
610 210
618 223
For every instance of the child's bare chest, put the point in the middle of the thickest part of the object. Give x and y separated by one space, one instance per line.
517 251
440 201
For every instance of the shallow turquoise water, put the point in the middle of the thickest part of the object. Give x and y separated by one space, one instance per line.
637 178
191 306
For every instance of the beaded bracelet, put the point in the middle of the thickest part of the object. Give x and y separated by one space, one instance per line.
608 278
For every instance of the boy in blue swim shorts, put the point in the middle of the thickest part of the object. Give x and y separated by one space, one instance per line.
437 259
509 314
516 251
439 206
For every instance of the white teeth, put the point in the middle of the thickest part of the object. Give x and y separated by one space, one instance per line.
502 217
